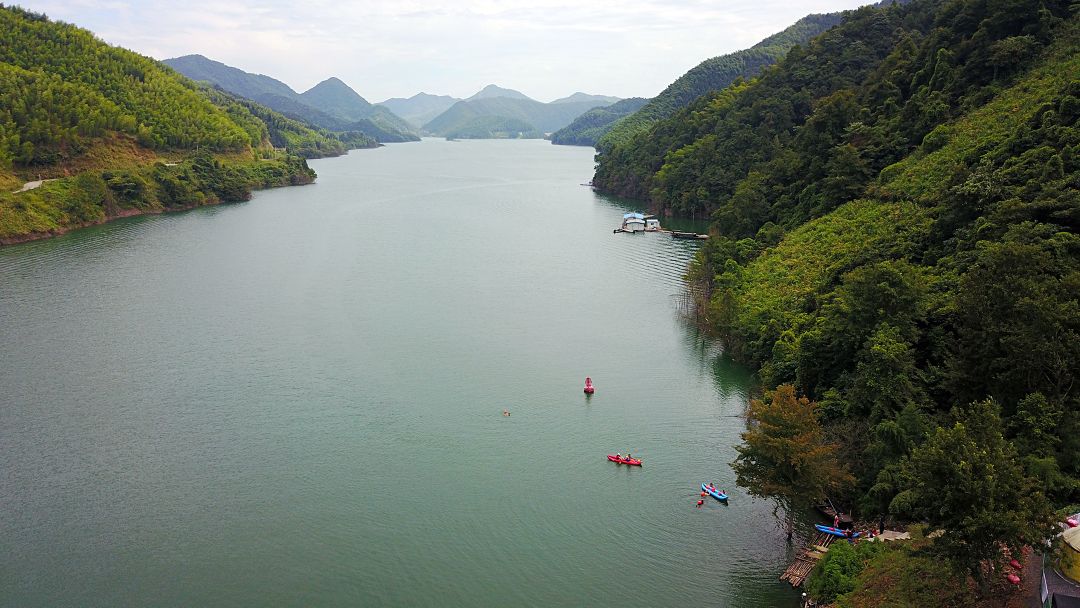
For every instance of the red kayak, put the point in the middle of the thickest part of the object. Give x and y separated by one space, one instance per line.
634 462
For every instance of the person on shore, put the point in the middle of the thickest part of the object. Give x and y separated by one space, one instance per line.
836 521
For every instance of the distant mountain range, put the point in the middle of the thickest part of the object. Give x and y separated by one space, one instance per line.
491 91
331 104
495 112
596 100
420 108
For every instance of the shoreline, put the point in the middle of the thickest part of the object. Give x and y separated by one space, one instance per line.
29 237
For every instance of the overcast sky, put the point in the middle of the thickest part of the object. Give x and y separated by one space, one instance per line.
396 48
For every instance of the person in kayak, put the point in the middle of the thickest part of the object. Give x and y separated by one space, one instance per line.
618 456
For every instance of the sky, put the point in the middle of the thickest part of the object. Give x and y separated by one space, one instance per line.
396 48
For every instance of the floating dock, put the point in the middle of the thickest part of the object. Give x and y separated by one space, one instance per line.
807 558
693 236
688 235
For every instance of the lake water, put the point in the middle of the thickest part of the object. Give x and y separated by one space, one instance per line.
298 401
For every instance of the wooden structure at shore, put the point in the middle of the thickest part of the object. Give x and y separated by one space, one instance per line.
807 558
829 510
687 235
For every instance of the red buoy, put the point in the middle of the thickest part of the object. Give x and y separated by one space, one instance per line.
589 387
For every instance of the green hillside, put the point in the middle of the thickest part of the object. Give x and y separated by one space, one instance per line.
298 137
587 129
715 74
895 234
123 134
743 121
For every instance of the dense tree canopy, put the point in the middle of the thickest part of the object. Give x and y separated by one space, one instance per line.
967 481
896 216
100 119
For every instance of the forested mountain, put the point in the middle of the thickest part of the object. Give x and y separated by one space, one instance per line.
420 108
234 80
338 100
471 119
588 128
491 91
896 235
103 119
331 104
298 137
715 74
596 100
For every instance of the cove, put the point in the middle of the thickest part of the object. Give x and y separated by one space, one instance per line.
298 401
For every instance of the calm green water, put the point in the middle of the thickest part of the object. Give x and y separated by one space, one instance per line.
298 401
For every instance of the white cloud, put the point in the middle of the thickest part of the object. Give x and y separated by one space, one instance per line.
395 48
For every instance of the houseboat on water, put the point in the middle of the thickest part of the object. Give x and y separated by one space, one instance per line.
637 222
633 222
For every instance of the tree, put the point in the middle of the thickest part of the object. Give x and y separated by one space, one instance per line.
1019 318
968 481
784 455
837 572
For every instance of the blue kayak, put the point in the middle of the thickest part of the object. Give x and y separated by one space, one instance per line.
714 493
835 531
